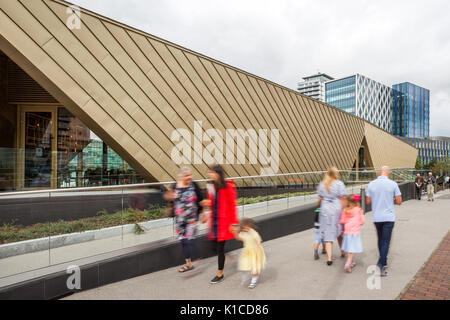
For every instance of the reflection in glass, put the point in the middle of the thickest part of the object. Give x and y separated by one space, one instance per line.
38 149
86 161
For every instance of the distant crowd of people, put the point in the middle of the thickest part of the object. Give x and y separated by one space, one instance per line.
429 184
339 217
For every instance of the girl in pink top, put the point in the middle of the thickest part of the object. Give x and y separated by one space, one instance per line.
352 218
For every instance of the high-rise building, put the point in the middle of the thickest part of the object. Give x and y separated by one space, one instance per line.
314 86
362 97
411 113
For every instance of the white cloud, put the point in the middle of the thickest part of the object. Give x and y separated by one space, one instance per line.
388 41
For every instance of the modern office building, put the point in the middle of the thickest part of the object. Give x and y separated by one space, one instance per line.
437 148
314 86
363 97
149 99
411 113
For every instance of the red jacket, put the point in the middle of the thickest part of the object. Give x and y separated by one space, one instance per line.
227 211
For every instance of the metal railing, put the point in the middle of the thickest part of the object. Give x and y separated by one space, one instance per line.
398 174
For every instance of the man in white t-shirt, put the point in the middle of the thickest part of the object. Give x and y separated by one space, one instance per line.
382 193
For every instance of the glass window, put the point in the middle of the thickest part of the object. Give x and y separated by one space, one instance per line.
85 160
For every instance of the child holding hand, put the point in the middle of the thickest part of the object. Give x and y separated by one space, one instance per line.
352 218
318 239
252 257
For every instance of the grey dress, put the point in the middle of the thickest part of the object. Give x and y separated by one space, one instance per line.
331 210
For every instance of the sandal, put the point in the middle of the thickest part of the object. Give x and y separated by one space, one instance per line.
185 268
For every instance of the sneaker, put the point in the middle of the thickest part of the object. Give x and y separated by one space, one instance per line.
217 279
384 272
316 255
253 283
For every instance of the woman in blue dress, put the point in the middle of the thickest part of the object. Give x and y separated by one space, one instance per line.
332 199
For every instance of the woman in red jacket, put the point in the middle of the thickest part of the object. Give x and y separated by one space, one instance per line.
222 198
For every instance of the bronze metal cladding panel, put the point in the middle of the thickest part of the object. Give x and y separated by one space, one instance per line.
134 90
387 150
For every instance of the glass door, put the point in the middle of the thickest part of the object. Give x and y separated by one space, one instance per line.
38 148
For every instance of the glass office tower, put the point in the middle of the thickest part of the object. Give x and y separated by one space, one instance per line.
437 148
411 115
362 97
342 94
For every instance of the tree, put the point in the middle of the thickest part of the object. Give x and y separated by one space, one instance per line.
419 163
441 167
430 164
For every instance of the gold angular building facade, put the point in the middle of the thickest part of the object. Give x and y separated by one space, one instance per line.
135 90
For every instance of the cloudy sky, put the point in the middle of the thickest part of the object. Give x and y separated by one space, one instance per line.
388 41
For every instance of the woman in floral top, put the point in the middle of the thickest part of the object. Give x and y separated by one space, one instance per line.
186 196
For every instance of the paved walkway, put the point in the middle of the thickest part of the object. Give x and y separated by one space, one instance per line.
433 281
292 273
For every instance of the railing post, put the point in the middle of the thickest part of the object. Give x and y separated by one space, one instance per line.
363 200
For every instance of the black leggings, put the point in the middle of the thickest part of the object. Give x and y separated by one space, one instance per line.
187 246
219 247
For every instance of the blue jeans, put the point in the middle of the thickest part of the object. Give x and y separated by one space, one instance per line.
384 232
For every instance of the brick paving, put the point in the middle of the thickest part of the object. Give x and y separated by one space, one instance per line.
432 282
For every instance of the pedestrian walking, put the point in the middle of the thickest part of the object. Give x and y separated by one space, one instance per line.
186 197
252 257
332 199
430 186
223 217
419 183
352 218
318 238
382 193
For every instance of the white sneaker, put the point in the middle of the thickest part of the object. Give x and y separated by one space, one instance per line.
253 283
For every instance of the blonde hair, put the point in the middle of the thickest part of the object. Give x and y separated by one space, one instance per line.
331 175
